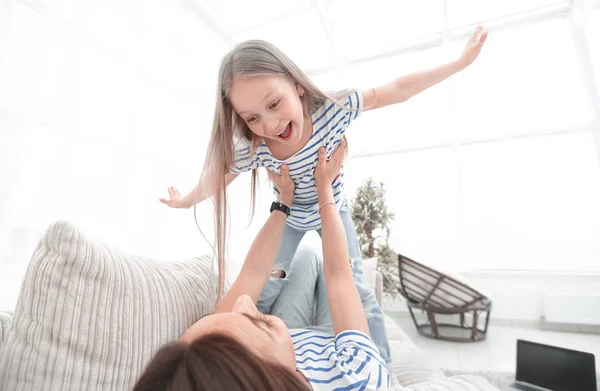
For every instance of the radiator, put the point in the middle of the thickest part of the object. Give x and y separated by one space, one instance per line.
570 309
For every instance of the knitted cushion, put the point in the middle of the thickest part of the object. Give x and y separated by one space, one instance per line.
90 318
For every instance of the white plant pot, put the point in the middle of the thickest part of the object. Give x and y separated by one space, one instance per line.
370 263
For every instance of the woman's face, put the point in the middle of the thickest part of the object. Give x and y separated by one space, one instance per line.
265 335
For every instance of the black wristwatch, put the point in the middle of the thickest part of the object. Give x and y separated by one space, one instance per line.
280 206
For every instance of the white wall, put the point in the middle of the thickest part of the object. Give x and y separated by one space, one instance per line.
522 204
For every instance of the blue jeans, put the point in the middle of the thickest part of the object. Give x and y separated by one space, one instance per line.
303 292
271 292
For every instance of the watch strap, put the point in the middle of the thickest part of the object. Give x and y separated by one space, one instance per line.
280 206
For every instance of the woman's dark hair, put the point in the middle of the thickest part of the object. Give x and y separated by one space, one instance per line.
214 363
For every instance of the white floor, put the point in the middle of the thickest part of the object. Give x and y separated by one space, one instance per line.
498 351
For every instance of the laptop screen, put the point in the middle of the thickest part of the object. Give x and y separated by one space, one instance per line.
555 368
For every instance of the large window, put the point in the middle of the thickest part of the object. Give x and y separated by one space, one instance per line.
105 104
498 168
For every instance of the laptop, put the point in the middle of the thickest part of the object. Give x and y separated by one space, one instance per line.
544 367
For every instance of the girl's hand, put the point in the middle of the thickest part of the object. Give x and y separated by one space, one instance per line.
176 200
284 183
473 47
327 170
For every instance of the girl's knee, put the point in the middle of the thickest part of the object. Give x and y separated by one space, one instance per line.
278 273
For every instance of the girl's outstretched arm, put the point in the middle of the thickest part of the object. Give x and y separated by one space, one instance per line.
410 85
198 194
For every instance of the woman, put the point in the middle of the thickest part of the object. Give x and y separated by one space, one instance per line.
239 348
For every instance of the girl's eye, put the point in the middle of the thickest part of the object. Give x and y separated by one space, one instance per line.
251 119
274 104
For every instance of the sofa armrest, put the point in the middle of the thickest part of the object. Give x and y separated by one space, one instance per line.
5 318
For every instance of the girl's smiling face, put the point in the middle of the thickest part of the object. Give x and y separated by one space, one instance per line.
270 106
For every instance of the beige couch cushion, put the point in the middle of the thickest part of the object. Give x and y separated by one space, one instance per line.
416 372
5 318
89 317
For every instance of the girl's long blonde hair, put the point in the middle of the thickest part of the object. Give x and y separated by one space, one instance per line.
247 59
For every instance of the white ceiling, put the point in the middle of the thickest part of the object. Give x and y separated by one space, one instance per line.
321 34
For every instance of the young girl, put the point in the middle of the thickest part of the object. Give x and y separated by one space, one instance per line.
270 114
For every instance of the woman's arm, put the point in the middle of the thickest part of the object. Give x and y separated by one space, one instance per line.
346 308
197 195
260 259
412 84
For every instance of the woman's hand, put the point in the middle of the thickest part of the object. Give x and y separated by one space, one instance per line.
327 170
284 183
473 47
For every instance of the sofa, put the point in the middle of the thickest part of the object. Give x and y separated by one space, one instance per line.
90 317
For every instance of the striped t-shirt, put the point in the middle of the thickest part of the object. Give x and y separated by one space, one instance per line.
329 126
350 361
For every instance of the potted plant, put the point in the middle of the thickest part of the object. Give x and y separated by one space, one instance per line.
372 219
